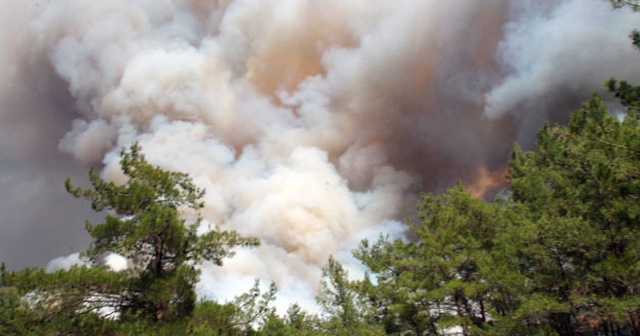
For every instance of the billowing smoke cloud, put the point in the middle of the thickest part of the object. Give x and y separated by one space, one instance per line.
556 54
311 124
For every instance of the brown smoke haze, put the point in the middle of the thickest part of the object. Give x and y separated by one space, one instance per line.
311 124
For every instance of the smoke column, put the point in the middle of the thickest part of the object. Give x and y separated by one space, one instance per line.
311 124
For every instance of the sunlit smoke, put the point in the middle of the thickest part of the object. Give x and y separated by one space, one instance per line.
311 124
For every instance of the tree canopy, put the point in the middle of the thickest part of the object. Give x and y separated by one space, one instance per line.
144 225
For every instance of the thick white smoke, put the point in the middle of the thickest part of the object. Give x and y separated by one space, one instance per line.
560 50
311 124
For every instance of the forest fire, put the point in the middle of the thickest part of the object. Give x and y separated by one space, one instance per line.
311 125
488 183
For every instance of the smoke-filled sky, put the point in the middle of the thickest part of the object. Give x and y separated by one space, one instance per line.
311 123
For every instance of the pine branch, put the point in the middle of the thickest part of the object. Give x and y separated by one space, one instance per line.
610 144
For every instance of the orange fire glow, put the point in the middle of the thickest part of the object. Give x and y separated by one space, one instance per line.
487 182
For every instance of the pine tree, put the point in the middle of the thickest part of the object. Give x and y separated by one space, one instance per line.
143 224
580 190
437 281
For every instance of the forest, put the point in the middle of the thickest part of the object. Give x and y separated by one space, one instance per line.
557 252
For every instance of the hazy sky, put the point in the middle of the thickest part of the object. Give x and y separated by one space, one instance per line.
311 123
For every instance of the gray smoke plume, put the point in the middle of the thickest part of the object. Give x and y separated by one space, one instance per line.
311 124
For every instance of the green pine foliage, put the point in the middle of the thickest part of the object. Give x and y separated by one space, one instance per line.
436 282
633 4
559 254
343 312
144 225
580 193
